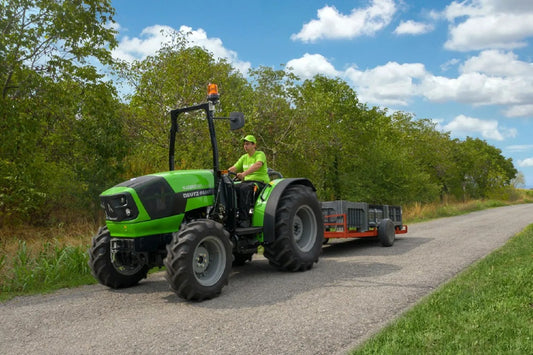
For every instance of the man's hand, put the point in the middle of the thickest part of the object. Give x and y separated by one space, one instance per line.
250 170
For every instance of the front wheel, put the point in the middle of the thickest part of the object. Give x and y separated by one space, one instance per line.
198 261
299 230
113 271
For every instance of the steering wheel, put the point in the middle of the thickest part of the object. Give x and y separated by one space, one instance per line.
233 176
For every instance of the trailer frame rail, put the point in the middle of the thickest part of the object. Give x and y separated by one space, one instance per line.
341 229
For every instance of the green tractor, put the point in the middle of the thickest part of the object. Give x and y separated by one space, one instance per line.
186 220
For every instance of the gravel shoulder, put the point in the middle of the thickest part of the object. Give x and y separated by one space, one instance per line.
356 288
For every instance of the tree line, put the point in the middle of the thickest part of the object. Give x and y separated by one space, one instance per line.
67 133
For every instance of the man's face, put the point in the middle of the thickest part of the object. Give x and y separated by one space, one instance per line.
249 146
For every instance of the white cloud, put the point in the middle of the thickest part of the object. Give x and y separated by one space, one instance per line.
470 88
486 7
149 42
215 46
413 28
519 148
489 24
332 25
389 84
450 63
525 163
113 25
152 39
497 63
463 125
310 65
492 78
519 111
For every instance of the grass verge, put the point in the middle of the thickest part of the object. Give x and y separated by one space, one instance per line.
39 260
55 266
487 309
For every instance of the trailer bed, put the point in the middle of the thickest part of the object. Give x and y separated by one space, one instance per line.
345 219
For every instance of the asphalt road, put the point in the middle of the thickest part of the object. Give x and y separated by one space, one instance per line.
356 288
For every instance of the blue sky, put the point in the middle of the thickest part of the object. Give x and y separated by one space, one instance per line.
468 65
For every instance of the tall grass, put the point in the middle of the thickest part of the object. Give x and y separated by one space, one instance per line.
55 266
31 261
418 212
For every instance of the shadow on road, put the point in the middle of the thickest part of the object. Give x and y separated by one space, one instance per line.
258 284
371 247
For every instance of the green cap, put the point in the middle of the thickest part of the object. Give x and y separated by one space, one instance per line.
250 138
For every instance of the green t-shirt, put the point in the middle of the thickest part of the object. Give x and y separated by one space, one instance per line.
247 161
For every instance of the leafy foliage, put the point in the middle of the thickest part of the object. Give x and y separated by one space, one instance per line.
177 76
58 118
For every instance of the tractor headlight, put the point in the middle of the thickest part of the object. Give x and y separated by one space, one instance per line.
119 207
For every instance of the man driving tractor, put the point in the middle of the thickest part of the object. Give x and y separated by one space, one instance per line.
251 169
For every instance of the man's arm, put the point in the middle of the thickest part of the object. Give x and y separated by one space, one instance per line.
237 166
252 169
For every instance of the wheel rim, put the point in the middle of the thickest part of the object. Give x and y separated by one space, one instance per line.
304 228
209 261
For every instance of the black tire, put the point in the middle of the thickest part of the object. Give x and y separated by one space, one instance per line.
386 232
198 261
103 269
299 230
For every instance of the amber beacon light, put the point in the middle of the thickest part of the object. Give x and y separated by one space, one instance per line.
212 92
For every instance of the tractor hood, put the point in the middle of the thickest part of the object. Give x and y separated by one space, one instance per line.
158 195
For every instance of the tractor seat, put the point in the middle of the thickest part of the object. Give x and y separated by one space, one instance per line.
273 174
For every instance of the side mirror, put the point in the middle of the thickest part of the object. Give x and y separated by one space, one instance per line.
236 120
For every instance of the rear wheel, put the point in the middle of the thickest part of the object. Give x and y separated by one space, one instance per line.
116 272
299 230
198 261
386 233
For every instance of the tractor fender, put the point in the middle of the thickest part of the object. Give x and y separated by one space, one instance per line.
269 221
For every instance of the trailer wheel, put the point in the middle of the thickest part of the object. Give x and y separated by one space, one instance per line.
299 230
386 233
113 274
198 261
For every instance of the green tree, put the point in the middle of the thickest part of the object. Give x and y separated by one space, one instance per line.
52 38
389 166
270 116
177 76
485 169
48 56
329 122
